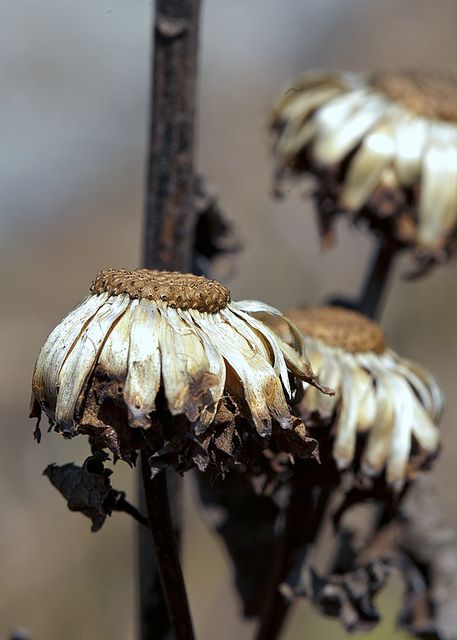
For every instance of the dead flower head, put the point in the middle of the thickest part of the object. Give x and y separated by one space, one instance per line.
170 359
388 405
384 148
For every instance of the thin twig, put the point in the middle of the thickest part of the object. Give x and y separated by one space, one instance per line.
123 505
155 490
169 215
376 279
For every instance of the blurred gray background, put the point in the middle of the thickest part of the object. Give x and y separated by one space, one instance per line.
74 79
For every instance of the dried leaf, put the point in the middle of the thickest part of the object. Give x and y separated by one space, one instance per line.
416 616
348 597
88 489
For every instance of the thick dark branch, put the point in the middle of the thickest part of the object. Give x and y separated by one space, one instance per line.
170 215
166 551
302 520
376 280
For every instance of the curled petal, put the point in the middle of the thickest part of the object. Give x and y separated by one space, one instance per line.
143 377
185 366
82 359
57 347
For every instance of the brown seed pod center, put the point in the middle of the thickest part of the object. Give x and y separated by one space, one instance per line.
177 290
429 94
338 327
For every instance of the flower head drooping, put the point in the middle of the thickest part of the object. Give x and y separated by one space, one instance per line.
151 354
383 148
389 404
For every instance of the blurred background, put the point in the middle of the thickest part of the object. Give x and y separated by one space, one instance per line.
73 118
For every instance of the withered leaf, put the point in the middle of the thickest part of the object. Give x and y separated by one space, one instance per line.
87 489
416 616
348 597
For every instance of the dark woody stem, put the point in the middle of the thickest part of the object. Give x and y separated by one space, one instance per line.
302 520
163 536
168 243
376 279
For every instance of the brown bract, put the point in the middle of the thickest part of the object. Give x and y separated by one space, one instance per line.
177 290
426 93
348 330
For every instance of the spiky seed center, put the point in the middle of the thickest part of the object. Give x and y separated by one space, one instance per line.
336 327
178 290
428 94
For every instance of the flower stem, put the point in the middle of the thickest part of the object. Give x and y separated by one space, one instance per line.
168 231
166 553
376 279
302 519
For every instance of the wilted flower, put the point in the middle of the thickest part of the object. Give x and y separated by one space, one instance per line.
161 356
383 148
388 405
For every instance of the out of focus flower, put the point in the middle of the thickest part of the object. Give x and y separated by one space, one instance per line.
385 407
383 148
164 356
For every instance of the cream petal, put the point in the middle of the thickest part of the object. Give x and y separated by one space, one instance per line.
334 114
216 381
114 354
83 357
295 137
375 153
400 447
279 363
379 437
426 386
143 373
437 212
353 387
329 376
57 347
330 148
185 367
410 136
301 103
295 356
262 388
367 408
241 322
425 431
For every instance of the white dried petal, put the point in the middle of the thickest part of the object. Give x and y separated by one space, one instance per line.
330 148
82 358
184 365
57 347
143 377
115 352
262 387
376 152
438 197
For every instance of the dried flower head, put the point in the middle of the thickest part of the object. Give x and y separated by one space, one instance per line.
387 404
160 357
384 148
